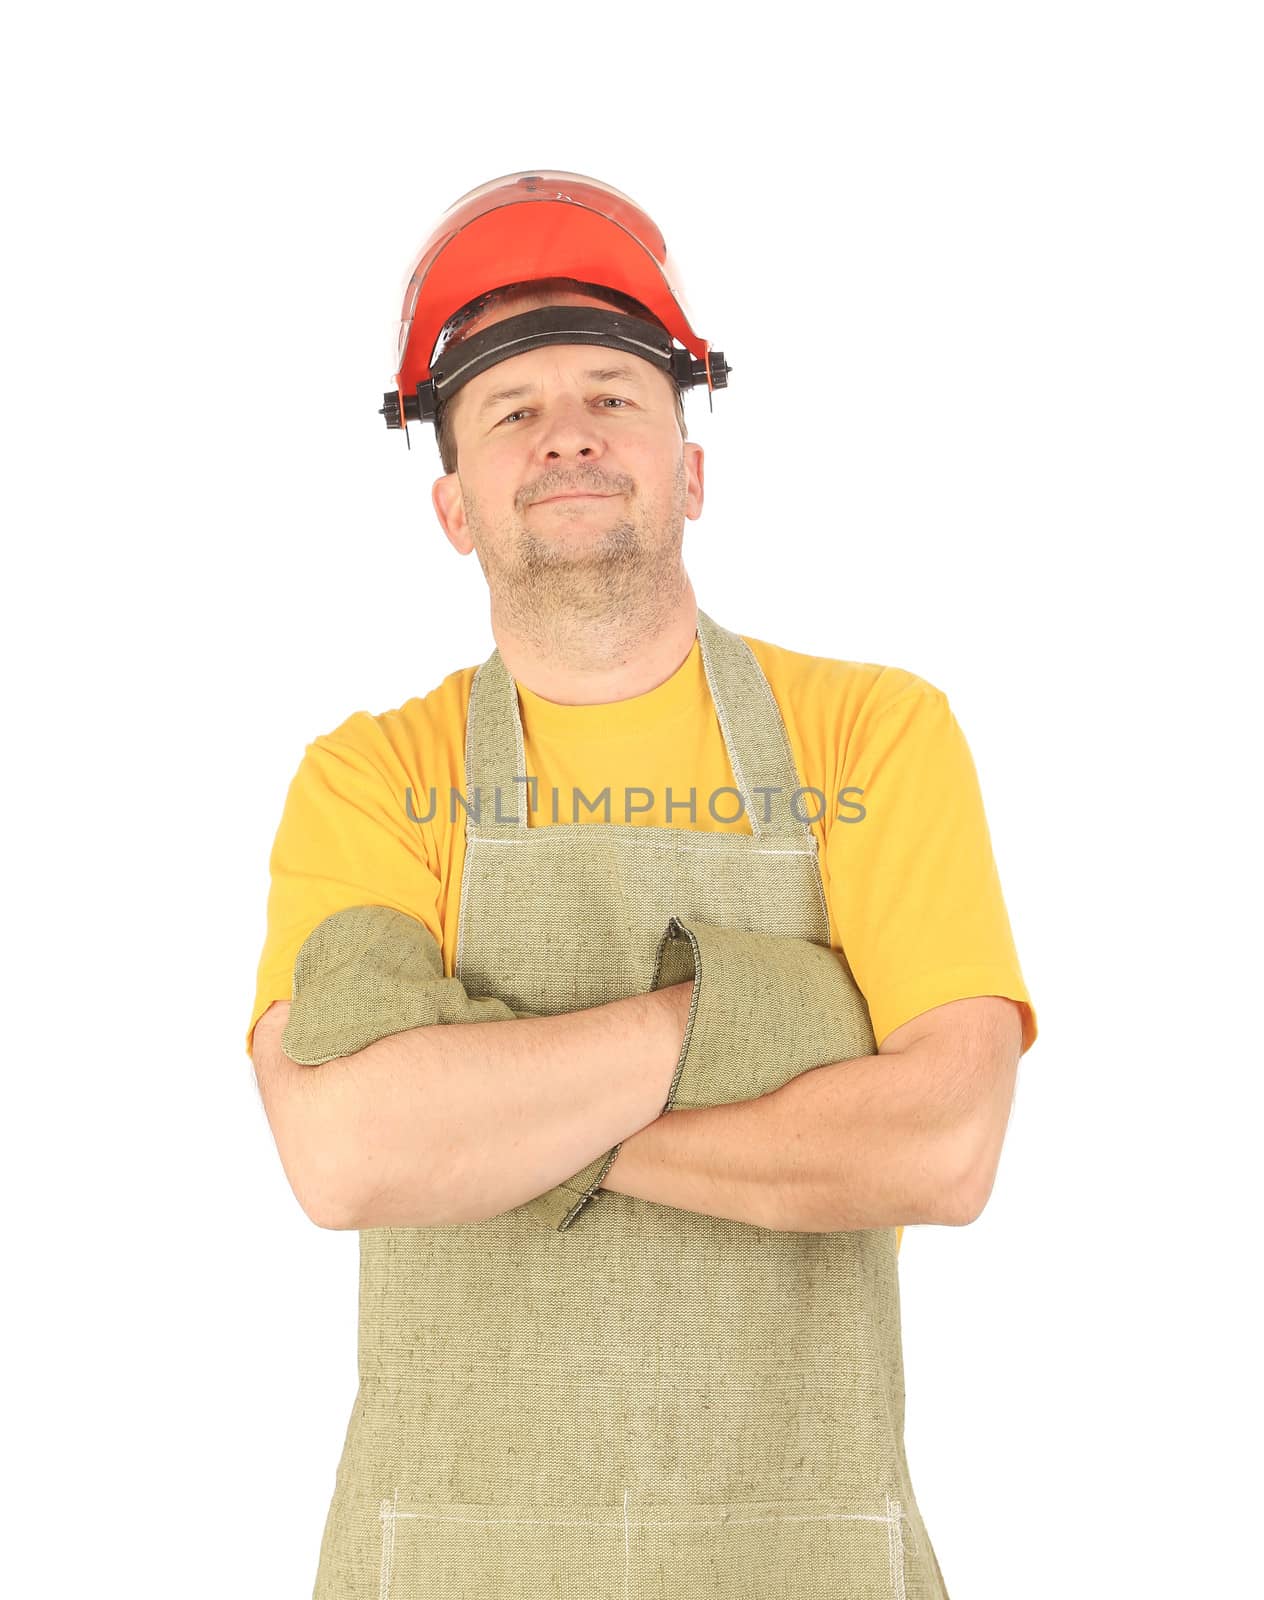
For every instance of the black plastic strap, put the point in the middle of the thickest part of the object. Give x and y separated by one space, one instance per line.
551 325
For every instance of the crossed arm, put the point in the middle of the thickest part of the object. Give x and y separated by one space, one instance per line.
460 1122
910 1135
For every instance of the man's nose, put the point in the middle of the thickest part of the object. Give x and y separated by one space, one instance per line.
570 430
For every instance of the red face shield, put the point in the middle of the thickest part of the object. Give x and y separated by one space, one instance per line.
524 227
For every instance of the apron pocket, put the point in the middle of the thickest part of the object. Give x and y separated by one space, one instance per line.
411 1548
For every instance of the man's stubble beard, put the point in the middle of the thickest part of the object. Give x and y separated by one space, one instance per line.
570 597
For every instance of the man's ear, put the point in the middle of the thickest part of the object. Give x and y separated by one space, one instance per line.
449 504
693 479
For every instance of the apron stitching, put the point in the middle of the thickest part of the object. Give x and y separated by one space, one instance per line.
462 922
722 1521
778 721
389 1512
469 825
510 695
895 1547
733 1376
520 750
820 897
627 1554
788 757
721 711
654 844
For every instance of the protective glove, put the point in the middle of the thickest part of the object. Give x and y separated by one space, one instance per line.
369 971
764 1009
769 1008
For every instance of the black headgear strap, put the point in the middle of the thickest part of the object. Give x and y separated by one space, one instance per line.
513 336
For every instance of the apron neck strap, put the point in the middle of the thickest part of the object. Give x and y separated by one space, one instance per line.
750 722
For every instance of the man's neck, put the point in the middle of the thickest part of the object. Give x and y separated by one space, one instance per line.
594 665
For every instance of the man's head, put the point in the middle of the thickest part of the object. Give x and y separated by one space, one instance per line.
568 421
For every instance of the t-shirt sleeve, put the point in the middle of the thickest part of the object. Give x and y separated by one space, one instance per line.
345 839
915 898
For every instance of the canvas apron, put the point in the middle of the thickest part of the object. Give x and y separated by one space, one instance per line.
648 1403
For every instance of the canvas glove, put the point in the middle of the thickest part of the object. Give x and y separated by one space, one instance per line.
764 1008
367 972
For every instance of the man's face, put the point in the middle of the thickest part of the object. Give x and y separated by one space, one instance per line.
574 488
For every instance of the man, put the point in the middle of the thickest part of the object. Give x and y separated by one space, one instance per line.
629 1315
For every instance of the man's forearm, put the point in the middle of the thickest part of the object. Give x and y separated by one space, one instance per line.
867 1143
459 1122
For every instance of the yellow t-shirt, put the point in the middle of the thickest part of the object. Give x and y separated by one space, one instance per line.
906 859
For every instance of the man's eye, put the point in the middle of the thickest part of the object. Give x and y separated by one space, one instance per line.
605 400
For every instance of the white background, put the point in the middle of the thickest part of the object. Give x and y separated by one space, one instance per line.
989 279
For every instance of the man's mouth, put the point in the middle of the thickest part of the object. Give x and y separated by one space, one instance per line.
579 496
